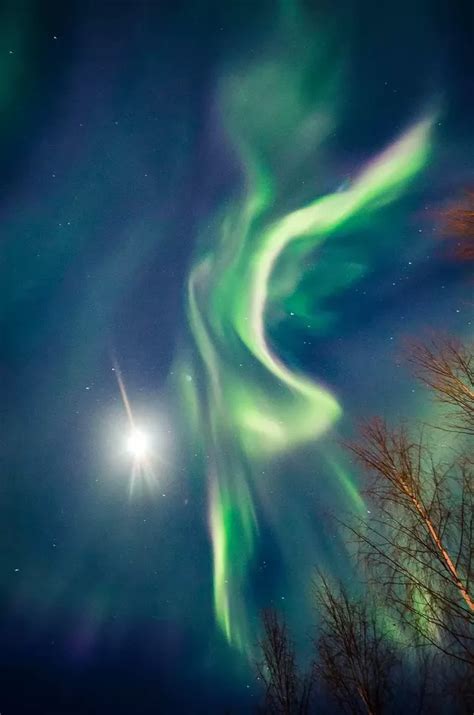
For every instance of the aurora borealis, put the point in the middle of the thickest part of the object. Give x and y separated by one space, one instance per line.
219 220
240 411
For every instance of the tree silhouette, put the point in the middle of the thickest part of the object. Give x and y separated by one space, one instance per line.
446 366
286 691
418 542
459 226
355 656
414 629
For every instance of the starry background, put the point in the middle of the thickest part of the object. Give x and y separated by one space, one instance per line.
118 153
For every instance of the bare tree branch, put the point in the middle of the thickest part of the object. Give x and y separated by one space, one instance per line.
356 659
286 691
446 366
419 544
459 226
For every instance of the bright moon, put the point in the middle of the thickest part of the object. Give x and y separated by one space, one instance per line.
138 444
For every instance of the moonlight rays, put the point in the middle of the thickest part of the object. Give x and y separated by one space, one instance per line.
138 442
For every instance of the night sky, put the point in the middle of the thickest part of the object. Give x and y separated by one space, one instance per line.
220 221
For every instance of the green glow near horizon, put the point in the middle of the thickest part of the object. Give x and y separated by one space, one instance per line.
249 405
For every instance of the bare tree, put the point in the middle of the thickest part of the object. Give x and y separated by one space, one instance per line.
417 544
446 366
459 226
418 539
356 659
286 691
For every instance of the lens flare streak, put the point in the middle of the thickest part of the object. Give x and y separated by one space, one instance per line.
137 442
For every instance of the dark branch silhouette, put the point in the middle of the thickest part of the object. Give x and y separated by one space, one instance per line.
286 691
409 642
446 366
355 657
418 542
459 226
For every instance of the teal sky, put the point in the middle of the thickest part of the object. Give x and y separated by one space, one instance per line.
233 210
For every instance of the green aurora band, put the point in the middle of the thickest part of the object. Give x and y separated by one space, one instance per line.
247 405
